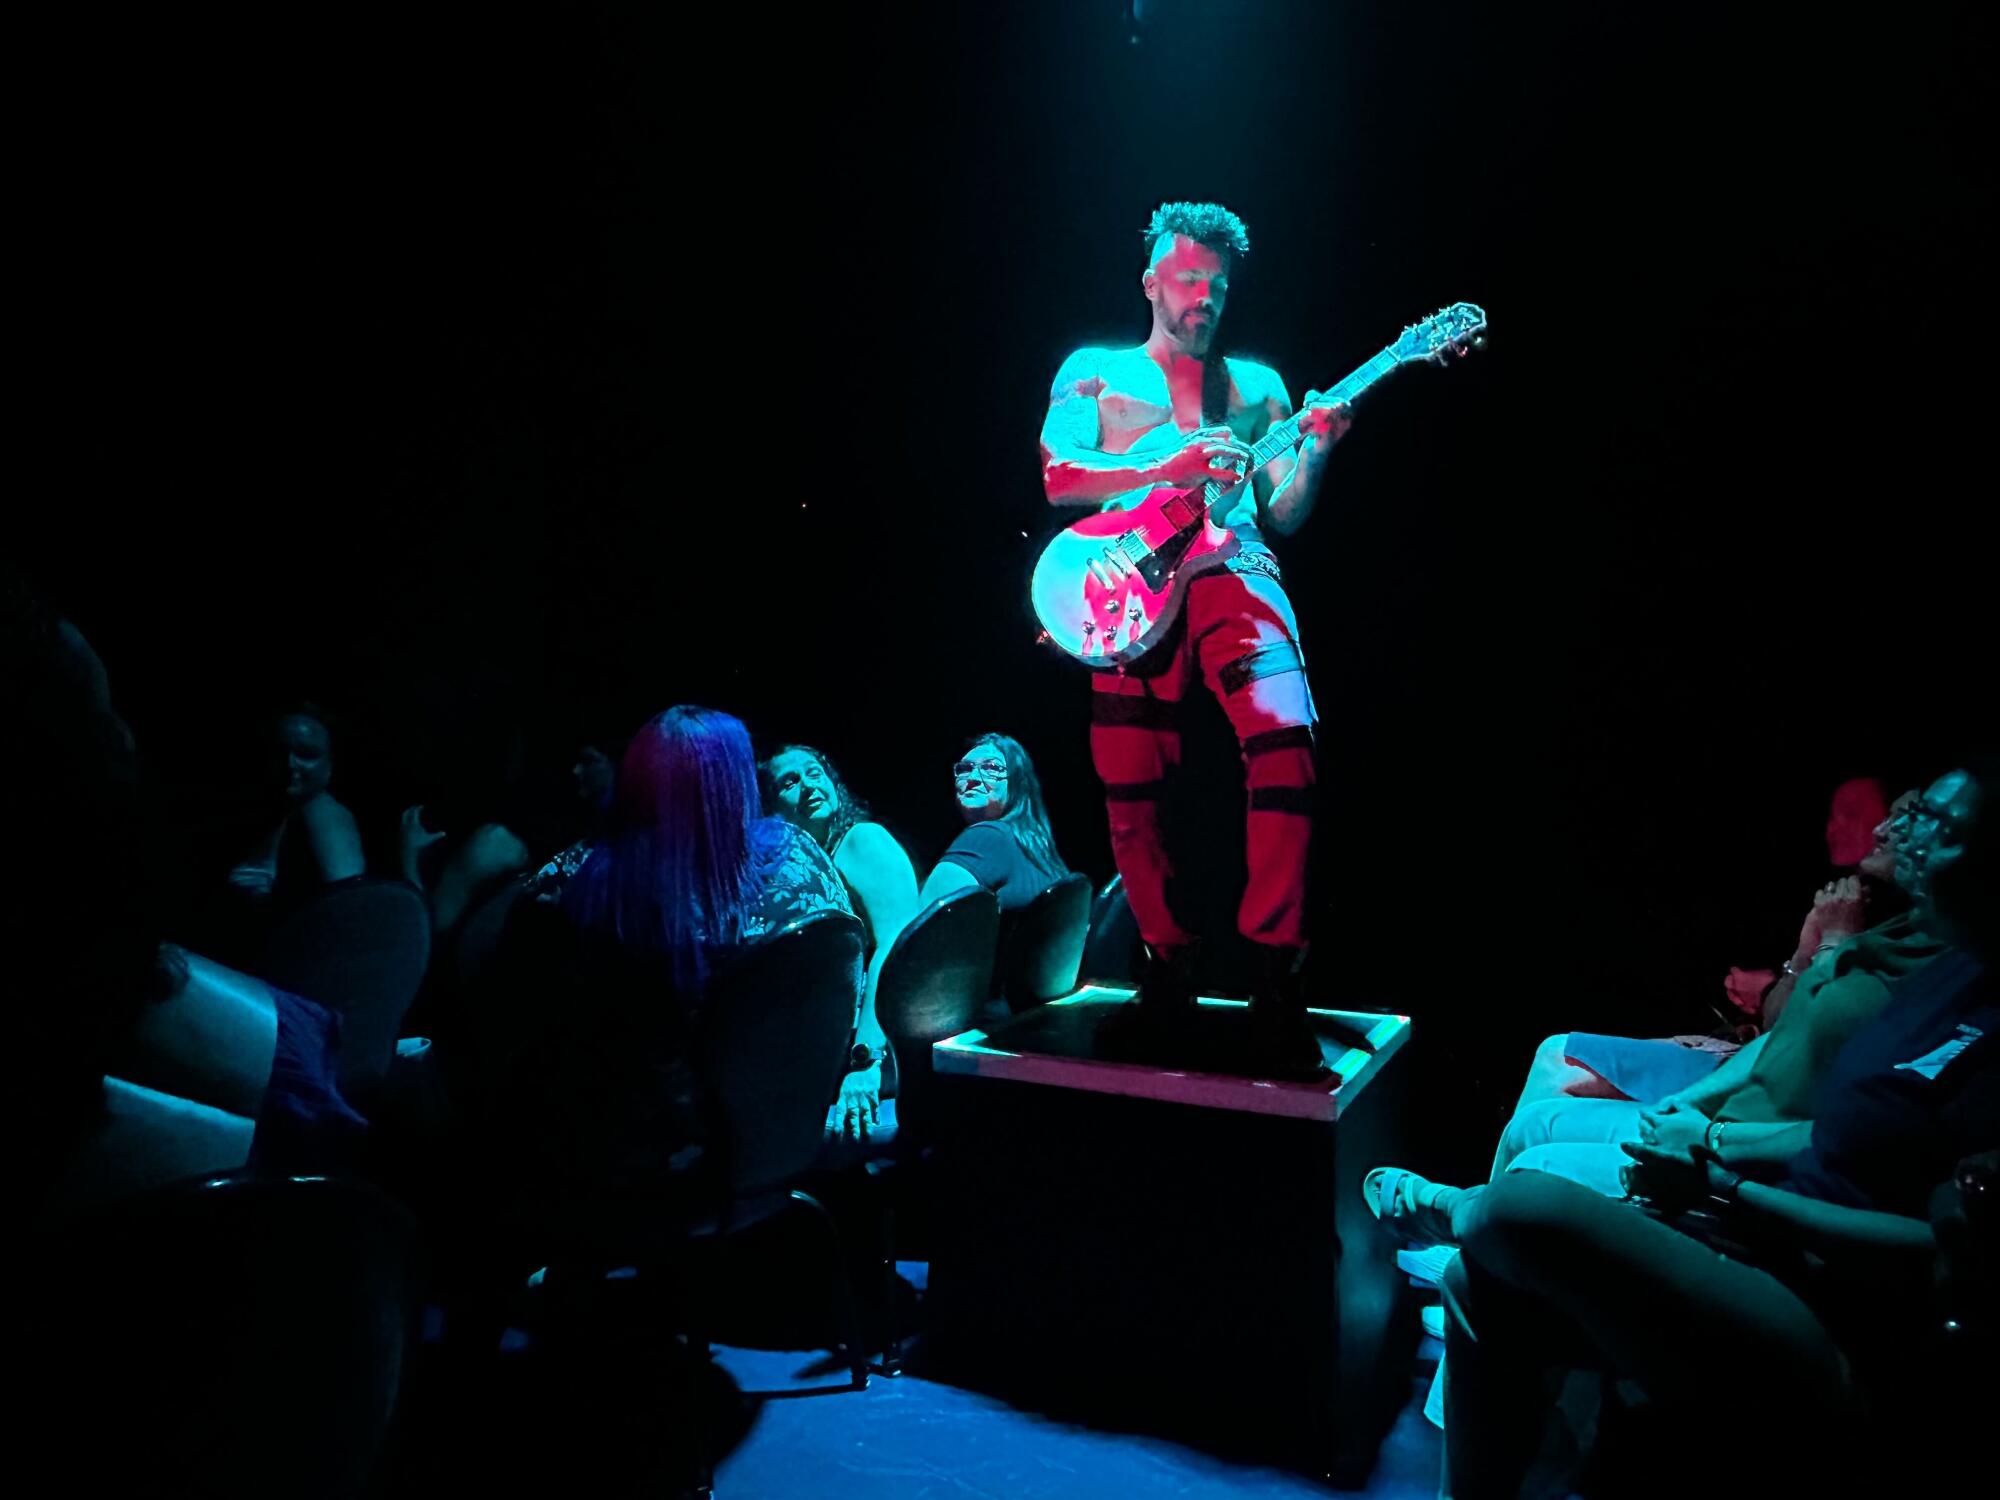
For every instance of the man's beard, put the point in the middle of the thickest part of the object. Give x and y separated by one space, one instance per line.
1195 335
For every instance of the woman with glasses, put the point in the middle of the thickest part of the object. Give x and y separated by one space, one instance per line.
1006 845
805 789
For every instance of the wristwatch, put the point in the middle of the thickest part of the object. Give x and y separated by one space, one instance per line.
1723 1183
863 1056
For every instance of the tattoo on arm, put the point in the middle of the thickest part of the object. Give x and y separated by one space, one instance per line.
1072 419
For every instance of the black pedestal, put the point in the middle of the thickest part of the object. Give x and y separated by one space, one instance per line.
1172 1251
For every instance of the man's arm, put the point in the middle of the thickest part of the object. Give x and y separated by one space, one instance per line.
1288 485
1828 1229
1075 471
1757 1147
1833 1230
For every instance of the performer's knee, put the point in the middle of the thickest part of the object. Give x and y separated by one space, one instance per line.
1271 659
1265 689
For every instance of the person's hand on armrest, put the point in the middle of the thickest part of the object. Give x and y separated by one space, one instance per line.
412 839
856 1112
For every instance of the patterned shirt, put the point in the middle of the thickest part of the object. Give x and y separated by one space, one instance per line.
794 878
546 884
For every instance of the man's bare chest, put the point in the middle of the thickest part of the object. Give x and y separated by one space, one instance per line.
1140 411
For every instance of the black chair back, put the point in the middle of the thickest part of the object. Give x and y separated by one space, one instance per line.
481 931
359 948
232 1336
1112 950
773 1044
938 973
1043 949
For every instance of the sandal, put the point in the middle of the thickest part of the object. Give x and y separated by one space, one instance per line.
1399 1200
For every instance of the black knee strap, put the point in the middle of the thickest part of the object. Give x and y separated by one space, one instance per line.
1297 800
1134 791
1294 737
1266 661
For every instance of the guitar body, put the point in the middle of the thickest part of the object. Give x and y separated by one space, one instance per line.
1110 587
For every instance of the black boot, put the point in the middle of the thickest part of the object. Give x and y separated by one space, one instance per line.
1283 1043
1158 1025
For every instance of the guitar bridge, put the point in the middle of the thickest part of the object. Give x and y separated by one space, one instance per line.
1158 567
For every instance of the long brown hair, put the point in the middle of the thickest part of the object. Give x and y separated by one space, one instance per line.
1027 814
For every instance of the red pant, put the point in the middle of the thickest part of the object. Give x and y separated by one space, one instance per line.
1238 630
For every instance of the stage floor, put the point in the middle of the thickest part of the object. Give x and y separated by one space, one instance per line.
914 1439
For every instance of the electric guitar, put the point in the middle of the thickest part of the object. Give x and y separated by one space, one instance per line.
1109 587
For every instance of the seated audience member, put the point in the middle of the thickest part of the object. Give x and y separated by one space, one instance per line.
1589 1065
150 1063
1811 1291
1006 845
595 1095
805 789
1755 1107
1593 1065
308 840
595 775
519 827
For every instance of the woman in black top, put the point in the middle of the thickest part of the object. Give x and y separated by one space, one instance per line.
1006 846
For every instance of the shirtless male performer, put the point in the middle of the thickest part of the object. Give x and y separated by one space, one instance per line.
1120 422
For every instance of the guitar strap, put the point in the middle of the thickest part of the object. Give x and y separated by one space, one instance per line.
1214 389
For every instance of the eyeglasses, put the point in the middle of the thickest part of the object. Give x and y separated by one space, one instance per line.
1923 820
992 770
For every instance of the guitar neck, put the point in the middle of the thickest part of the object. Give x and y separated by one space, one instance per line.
1285 436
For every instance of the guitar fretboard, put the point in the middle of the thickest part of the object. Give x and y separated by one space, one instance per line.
1285 436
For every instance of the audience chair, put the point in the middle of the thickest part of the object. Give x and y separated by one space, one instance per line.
1040 956
938 973
359 948
230 1336
480 933
769 1051
1112 950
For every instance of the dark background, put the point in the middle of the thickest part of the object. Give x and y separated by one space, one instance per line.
460 368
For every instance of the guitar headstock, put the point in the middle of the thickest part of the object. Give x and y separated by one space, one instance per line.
1452 330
